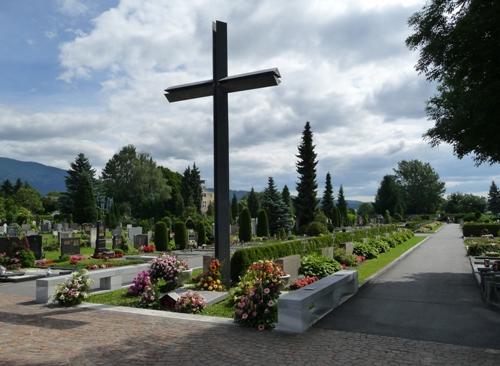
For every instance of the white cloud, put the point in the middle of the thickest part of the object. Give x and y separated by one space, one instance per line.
72 8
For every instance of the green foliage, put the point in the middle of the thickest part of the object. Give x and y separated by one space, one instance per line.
327 202
181 235
461 203
316 228
336 217
278 213
482 246
287 199
342 206
245 231
234 207
318 265
387 217
366 250
381 245
191 188
262 224
253 203
29 198
200 230
494 199
389 196
344 258
421 186
475 229
458 42
305 202
161 236
27 258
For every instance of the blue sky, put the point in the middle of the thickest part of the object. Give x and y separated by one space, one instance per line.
87 76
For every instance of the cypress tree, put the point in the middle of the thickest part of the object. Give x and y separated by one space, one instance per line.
234 207
342 205
7 188
262 224
494 198
306 186
287 199
245 231
161 236
181 236
80 190
187 188
196 189
200 230
327 201
336 217
253 203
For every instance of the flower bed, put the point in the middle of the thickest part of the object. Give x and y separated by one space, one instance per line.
73 291
211 280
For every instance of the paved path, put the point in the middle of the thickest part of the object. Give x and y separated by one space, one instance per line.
429 295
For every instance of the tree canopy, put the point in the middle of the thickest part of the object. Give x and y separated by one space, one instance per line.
458 42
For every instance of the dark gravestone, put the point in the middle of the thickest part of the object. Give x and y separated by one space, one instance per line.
117 242
100 243
13 231
35 244
141 239
70 246
11 245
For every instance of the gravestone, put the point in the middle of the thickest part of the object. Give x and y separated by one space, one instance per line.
290 265
93 237
59 227
117 242
140 240
25 227
3 229
233 229
13 231
254 226
117 231
86 227
70 246
10 245
100 243
64 235
150 235
31 232
133 231
65 226
46 227
75 226
35 244
328 252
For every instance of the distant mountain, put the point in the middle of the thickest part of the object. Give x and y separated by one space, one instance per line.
42 177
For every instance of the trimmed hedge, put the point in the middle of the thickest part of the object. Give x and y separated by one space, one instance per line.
472 229
244 257
181 235
161 236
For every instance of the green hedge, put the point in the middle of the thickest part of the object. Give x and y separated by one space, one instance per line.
472 229
244 257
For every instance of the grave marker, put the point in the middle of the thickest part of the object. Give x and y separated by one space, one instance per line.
35 244
100 243
70 246
140 240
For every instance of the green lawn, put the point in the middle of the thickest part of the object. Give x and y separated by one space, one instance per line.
117 297
371 266
54 254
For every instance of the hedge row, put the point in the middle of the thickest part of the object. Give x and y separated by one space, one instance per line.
244 257
473 229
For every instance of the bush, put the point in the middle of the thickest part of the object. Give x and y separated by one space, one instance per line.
302 282
73 291
380 245
343 258
168 268
200 230
161 236
190 302
365 250
181 235
471 229
317 265
141 281
262 224
26 258
316 228
245 231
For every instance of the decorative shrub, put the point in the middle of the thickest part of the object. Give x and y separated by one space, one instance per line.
161 236
317 265
473 229
181 235
316 228
302 282
168 268
202 235
141 281
245 231
211 280
149 297
380 245
190 302
365 250
259 290
73 291
342 257
262 229
147 248
26 258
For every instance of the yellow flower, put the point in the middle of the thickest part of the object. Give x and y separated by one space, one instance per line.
210 288
205 284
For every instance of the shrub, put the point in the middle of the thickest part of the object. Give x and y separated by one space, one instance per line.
472 229
181 236
26 258
73 291
317 265
202 235
245 231
342 257
316 228
259 289
190 302
161 236
141 281
380 245
168 268
262 224
365 250
302 282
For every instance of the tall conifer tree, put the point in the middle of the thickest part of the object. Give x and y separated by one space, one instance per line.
305 202
253 203
494 199
80 190
342 205
327 203
277 212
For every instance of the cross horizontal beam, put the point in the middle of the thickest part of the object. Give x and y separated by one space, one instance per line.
230 84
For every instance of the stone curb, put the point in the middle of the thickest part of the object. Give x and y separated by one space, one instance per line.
159 313
393 263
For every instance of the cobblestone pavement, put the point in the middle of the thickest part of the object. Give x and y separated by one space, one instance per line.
31 334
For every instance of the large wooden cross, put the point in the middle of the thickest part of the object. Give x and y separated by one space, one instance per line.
219 87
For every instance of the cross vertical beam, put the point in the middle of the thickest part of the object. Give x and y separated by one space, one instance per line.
221 149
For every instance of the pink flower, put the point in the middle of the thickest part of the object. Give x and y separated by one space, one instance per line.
266 290
270 303
244 316
261 327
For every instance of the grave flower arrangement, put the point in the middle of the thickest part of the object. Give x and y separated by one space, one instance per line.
302 282
211 279
74 259
147 248
44 263
73 291
140 283
259 290
168 268
190 302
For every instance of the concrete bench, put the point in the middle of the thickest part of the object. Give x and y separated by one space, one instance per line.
103 279
299 310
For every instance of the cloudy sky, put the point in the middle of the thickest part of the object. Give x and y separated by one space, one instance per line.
88 76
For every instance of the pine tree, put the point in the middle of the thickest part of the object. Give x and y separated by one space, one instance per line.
18 185
245 231
494 199
187 188
80 190
196 189
306 187
262 224
389 197
287 199
234 207
327 200
202 234
342 205
278 213
7 188
253 203
336 217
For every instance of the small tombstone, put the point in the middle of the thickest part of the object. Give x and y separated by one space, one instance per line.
117 231
70 246
192 235
75 226
117 242
59 227
129 226
254 226
46 226
86 227
13 231
31 232
348 247
133 231
65 226
327 252
93 236
5 228
35 244
64 235
150 235
290 265
25 227
233 229
100 243
140 240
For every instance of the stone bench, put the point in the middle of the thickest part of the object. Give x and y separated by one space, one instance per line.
299 310
103 279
